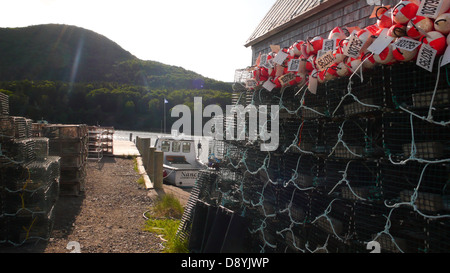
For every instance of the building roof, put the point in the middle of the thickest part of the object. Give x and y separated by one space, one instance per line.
283 14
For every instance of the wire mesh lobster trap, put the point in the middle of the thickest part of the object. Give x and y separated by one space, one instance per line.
313 106
408 229
424 186
13 127
290 102
350 167
303 171
357 96
18 151
4 104
352 180
370 219
414 88
353 138
332 215
301 136
407 136
29 194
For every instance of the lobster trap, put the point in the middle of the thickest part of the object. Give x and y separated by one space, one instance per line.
414 88
18 151
352 180
313 106
358 161
407 136
13 127
370 219
353 138
417 184
300 136
333 216
29 193
302 170
4 104
357 96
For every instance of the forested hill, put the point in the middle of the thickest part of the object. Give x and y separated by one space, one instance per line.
68 74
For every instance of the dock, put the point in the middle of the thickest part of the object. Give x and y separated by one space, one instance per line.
125 148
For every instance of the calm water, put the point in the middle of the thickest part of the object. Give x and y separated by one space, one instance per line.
125 135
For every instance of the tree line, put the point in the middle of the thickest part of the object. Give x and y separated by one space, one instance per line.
124 106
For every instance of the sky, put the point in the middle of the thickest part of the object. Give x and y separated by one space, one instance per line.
204 36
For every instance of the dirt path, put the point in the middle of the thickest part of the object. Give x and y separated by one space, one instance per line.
107 218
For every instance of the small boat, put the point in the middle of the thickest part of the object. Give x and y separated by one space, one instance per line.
181 165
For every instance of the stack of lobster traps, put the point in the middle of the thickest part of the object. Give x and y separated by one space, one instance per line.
69 142
361 160
29 181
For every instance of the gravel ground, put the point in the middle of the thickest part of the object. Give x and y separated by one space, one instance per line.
106 218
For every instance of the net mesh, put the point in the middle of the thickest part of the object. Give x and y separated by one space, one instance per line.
364 159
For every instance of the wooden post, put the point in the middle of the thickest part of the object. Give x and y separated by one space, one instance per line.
145 145
150 165
159 159
138 144
131 136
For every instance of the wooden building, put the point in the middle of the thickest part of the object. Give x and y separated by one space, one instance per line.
291 20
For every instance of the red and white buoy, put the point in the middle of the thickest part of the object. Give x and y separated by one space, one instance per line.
404 11
404 55
337 33
384 19
368 60
314 45
385 56
397 30
442 23
353 63
296 49
418 26
300 79
342 70
339 52
436 40
311 63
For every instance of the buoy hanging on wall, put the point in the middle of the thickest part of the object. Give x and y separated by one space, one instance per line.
442 23
404 11
418 25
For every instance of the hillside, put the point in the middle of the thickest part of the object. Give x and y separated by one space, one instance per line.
72 54
52 52
67 74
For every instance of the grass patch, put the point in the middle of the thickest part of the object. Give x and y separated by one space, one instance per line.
164 219
135 165
168 229
168 206
141 180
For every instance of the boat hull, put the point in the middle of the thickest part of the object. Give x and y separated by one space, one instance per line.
181 177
